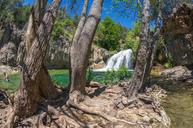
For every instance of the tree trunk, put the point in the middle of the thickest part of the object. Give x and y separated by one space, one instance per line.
141 63
153 44
35 19
35 87
80 49
34 22
79 28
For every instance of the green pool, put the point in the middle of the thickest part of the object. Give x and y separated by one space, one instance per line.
60 77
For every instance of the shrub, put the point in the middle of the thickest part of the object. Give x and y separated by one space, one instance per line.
111 76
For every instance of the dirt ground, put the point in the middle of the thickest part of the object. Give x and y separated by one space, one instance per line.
103 107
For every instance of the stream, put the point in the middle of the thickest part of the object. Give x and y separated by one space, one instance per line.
179 103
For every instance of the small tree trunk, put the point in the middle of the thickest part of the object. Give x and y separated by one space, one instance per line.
35 87
141 63
80 50
152 48
79 29
156 35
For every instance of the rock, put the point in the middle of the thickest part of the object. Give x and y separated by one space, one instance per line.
178 34
98 57
58 54
10 37
8 54
177 73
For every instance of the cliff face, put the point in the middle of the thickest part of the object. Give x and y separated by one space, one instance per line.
57 54
10 37
178 34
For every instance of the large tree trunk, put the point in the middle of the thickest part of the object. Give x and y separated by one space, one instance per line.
35 19
141 63
35 87
80 50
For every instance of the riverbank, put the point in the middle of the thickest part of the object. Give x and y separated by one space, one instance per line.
116 110
178 84
177 104
101 108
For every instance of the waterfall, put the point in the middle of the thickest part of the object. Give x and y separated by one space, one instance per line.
122 58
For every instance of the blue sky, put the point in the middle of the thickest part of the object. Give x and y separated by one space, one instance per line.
108 10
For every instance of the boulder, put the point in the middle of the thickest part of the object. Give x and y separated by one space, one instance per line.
98 57
179 73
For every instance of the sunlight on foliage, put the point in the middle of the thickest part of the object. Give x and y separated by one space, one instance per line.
110 77
110 35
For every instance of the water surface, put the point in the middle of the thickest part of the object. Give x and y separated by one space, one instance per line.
179 104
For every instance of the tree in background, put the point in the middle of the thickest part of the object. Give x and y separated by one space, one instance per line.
8 8
13 16
132 38
110 35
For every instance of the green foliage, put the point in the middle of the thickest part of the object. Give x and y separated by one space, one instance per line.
89 75
63 27
169 63
132 39
110 35
112 76
21 15
8 8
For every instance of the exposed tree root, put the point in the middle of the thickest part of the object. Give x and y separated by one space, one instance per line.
10 120
90 110
97 110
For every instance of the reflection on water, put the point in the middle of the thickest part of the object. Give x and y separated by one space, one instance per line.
179 104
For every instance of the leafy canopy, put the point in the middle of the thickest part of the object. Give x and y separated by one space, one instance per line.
109 34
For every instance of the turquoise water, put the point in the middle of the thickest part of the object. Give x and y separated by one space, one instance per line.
60 77
179 104
12 84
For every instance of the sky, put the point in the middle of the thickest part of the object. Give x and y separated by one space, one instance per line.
108 10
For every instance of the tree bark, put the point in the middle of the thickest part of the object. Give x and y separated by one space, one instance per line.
35 19
79 28
154 40
141 63
80 49
35 87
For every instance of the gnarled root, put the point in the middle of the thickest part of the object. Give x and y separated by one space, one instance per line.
10 119
73 102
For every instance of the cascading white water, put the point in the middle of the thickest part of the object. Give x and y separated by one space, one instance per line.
122 58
